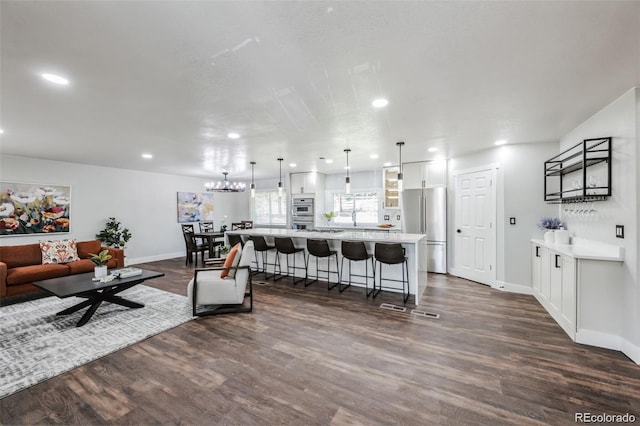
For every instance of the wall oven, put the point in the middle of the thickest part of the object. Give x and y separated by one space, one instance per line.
302 207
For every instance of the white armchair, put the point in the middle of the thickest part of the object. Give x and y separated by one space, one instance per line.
223 295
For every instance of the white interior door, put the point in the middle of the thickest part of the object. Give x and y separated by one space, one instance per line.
475 236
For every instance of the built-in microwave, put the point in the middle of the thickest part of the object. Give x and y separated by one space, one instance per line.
302 207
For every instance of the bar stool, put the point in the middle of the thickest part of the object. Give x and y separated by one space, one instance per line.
260 245
356 251
235 239
392 254
320 249
284 245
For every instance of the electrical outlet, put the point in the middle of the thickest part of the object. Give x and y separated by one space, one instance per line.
512 221
619 231
386 217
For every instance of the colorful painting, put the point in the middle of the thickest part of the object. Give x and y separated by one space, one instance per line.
31 208
195 207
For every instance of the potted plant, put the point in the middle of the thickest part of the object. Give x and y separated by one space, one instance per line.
113 235
100 260
550 225
328 216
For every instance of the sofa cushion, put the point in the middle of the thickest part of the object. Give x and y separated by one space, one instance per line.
28 274
16 256
59 251
85 248
81 266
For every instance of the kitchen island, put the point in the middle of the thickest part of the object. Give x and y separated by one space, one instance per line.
417 280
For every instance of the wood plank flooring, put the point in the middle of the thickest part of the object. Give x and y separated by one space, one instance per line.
306 356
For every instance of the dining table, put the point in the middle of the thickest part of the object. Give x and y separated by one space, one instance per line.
212 238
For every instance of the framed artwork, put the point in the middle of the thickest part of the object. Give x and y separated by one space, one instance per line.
195 207
32 208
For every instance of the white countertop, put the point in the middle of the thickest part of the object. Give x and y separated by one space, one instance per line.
359 235
586 249
360 228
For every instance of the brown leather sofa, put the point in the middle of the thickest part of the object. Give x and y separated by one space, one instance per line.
20 266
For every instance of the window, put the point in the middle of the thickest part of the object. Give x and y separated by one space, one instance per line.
365 205
269 209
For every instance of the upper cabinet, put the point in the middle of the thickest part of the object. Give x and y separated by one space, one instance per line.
390 187
424 174
307 183
581 173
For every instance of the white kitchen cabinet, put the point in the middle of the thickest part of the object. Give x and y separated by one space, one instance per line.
414 175
576 284
554 285
306 183
424 174
390 187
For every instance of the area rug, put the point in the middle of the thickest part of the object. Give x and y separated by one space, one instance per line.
36 345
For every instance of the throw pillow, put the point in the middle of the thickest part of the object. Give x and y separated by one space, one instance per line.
62 251
229 262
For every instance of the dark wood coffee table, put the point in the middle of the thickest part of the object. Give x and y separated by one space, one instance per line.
82 285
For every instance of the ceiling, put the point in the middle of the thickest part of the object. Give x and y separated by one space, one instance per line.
296 79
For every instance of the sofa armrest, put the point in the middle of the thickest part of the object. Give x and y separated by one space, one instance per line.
3 279
117 254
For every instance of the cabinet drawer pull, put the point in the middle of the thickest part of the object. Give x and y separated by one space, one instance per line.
557 257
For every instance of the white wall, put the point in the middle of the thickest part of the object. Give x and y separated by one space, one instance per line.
519 194
621 120
144 202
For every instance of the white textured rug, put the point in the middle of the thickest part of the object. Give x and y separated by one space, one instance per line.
36 345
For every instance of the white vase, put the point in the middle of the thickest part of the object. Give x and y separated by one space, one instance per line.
561 236
100 271
549 237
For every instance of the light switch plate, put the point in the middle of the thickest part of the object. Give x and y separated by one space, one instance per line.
619 231
398 217
512 221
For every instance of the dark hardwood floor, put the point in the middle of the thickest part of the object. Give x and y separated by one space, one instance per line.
307 356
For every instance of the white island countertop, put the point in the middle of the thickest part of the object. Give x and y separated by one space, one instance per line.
357 235
586 249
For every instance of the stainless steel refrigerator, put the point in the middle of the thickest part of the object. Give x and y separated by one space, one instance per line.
424 211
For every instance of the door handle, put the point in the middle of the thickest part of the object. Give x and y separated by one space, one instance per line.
557 257
459 231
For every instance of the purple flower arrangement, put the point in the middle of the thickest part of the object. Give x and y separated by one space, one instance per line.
551 223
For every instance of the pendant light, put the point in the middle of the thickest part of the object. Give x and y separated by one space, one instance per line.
347 180
280 181
400 144
253 185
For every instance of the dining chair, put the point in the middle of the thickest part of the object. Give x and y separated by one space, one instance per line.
191 244
206 226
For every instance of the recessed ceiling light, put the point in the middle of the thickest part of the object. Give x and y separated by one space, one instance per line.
347 167
52 78
500 142
380 103
233 135
293 165
328 160
147 156
433 149
373 156
387 164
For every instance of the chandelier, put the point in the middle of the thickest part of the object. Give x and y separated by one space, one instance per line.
225 185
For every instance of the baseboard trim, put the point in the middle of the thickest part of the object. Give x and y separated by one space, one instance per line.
631 350
513 288
599 339
155 258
